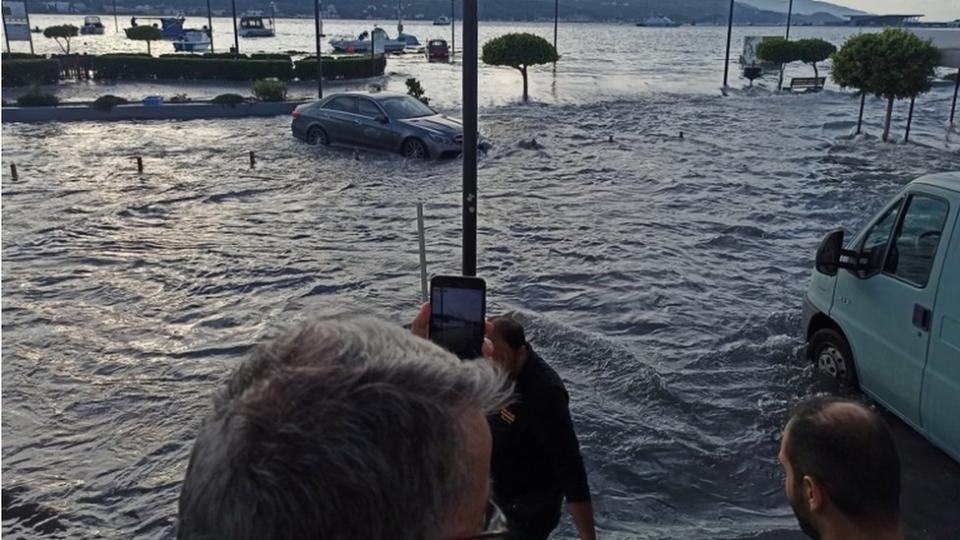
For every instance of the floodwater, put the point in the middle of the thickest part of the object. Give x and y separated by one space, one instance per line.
660 275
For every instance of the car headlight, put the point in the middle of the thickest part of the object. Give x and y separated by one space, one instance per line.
435 137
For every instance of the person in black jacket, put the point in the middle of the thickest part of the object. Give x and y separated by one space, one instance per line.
536 459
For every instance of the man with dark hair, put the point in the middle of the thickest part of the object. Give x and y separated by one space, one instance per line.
536 456
842 471
346 430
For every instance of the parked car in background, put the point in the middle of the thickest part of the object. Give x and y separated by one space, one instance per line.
383 120
883 310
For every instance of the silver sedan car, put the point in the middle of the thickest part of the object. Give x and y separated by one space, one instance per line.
383 120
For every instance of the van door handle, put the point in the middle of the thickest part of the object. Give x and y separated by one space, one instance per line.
922 317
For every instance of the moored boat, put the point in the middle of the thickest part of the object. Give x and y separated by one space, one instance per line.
91 26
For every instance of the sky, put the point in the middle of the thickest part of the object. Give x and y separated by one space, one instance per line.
935 10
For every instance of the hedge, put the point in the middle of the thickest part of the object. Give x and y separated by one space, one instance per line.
22 56
188 67
349 67
33 71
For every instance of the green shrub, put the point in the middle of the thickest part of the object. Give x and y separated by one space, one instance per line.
107 102
188 67
231 100
270 90
29 71
180 98
36 98
270 56
345 67
415 89
21 56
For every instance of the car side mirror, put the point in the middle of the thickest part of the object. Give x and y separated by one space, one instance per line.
828 254
382 119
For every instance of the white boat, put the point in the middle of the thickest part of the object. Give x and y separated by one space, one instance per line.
658 21
192 41
442 20
257 26
91 25
381 41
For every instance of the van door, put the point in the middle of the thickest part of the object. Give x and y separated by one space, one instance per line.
885 307
941 383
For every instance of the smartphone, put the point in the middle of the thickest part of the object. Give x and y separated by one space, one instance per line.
458 311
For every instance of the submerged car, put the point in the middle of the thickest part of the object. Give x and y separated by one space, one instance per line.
382 120
883 309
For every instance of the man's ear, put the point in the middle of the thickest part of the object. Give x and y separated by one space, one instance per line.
815 494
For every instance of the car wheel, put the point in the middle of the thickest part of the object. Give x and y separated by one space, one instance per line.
831 353
415 148
317 135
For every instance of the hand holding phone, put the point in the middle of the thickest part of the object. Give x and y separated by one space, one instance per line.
458 314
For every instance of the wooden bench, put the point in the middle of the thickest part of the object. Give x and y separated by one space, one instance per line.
807 83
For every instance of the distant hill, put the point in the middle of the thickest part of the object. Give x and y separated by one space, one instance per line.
803 7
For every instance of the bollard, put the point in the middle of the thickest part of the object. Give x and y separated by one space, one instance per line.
139 165
611 138
13 171
356 154
253 160
681 134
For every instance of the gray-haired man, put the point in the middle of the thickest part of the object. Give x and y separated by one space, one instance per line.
352 430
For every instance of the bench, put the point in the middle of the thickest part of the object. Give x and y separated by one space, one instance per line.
807 83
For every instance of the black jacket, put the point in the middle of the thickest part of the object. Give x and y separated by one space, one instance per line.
535 449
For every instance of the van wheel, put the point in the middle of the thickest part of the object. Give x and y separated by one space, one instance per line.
831 353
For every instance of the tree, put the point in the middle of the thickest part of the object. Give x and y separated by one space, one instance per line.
894 64
519 51
811 51
778 51
144 33
64 32
415 89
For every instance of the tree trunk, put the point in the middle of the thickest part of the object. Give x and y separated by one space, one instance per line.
816 76
523 71
863 97
148 48
886 124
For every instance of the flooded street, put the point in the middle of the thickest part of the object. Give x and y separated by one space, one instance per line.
660 275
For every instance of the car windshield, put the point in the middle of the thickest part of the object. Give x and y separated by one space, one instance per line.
405 107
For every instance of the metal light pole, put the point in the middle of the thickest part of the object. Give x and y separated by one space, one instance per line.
26 15
470 129
116 22
953 107
726 61
453 28
556 18
316 24
6 37
209 23
236 31
786 37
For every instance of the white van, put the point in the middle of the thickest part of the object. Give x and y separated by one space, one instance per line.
883 309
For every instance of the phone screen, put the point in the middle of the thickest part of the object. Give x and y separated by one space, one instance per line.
458 311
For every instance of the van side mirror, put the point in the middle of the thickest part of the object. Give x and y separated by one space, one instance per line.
828 254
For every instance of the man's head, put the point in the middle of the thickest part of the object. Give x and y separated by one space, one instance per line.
345 430
841 467
510 348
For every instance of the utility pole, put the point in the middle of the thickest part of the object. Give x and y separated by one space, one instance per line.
470 129
236 34
317 5
453 28
209 22
786 37
116 22
726 61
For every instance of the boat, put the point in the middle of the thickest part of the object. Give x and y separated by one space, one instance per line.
192 41
363 43
442 20
655 21
438 50
257 26
170 27
91 25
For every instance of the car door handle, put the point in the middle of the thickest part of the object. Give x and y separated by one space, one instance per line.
922 317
